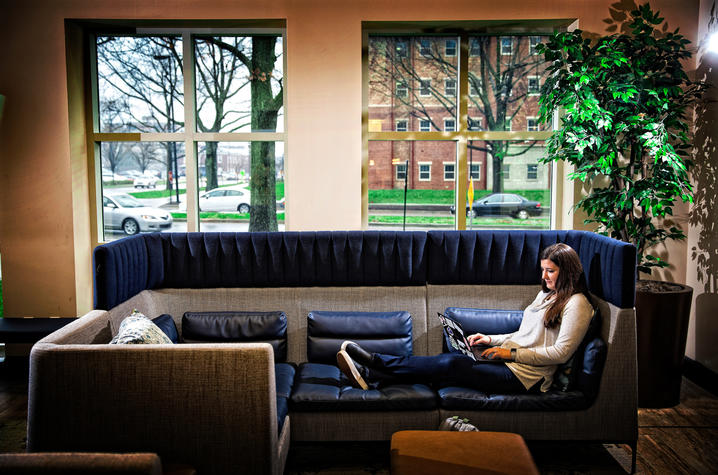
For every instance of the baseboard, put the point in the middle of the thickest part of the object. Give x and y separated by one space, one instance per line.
699 374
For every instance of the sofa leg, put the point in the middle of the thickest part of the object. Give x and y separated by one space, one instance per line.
634 449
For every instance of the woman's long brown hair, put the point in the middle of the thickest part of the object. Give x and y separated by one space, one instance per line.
571 280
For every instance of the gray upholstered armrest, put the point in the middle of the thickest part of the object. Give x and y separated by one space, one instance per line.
191 404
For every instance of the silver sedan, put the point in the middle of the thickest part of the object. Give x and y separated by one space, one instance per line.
125 212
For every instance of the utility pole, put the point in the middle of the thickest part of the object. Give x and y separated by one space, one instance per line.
406 183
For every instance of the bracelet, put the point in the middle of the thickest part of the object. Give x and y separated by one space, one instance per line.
513 354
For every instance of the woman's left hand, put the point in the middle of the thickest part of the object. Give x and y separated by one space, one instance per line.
496 353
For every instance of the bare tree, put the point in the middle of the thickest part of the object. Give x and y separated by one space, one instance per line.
218 82
145 154
145 72
409 72
264 112
113 153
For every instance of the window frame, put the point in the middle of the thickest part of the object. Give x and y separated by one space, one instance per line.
480 124
510 48
190 136
533 91
424 83
399 168
532 45
424 48
421 125
419 171
528 124
446 49
453 171
465 31
529 171
406 125
453 127
402 87
447 88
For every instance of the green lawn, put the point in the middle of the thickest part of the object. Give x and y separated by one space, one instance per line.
165 193
223 216
447 196
449 221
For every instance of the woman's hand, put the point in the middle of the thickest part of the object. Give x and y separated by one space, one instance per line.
497 353
478 339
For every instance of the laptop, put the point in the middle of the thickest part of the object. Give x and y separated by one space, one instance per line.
456 337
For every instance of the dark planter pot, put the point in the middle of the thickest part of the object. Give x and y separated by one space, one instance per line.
662 313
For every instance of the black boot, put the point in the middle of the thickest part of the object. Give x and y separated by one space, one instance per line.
357 353
350 370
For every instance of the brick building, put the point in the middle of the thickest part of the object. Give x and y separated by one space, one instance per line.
413 87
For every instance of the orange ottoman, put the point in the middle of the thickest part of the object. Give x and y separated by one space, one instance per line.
416 452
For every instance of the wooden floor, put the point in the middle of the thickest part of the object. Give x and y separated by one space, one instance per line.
682 439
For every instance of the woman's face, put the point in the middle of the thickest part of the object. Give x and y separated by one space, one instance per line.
549 273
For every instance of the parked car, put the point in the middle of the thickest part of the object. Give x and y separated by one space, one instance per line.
108 176
503 204
125 212
235 198
228 198
145 181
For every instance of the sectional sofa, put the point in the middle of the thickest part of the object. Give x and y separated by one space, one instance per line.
233 407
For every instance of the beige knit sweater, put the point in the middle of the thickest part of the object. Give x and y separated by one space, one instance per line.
539 350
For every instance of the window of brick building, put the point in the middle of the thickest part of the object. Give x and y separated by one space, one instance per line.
533 85
424 171
449 125
449 171
424 125
400 171
402 90
425 87
532 124
507 45
450 48
402 125
450 87
533 42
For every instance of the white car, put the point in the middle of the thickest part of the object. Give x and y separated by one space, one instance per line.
108 176
125 212
145 181
229 198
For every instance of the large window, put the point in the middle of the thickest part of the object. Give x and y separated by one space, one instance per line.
475 128
189 131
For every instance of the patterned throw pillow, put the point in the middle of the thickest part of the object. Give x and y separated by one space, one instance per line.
138 329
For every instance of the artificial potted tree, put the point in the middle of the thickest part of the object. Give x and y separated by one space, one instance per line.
626 104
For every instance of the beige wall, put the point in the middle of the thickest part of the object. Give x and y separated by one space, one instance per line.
702 246
44 225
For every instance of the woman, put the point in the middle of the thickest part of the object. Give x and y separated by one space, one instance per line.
552 328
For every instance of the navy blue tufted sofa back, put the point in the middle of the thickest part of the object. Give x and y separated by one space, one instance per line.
127 266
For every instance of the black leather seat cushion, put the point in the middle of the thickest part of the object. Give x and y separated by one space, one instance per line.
322 387
455 398
284 377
